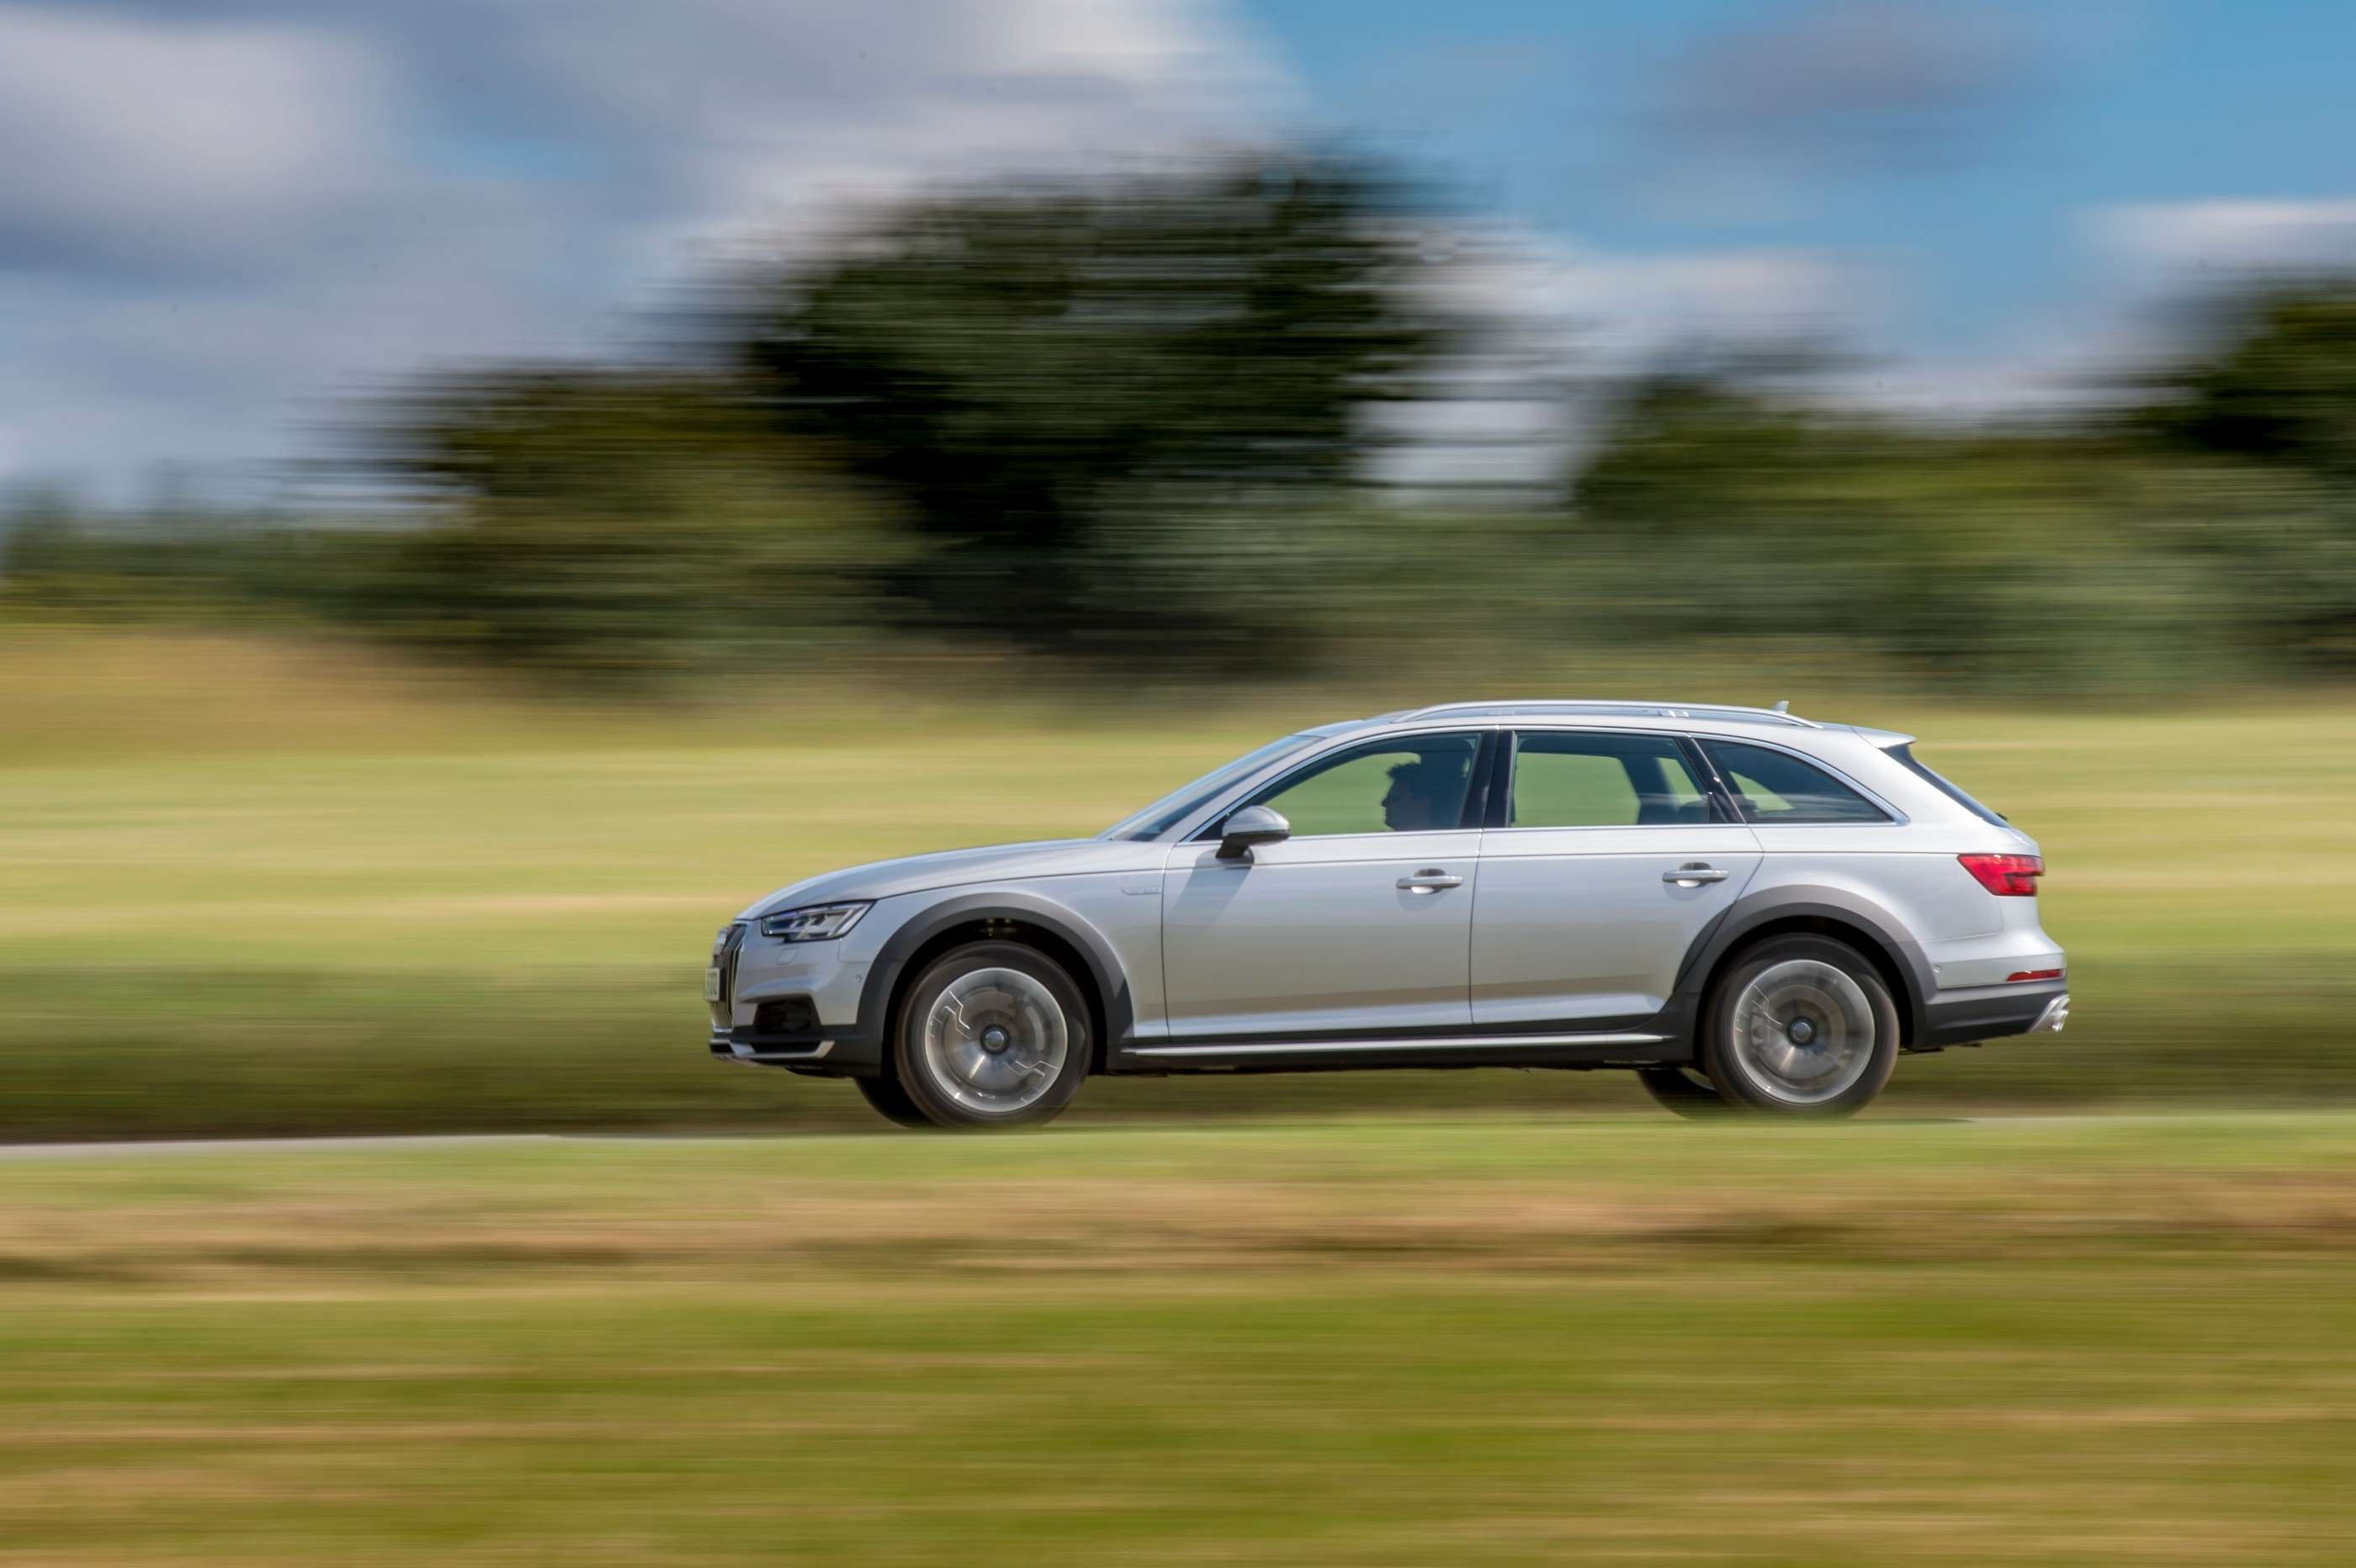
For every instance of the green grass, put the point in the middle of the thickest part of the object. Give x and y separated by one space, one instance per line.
1355 1341
255 888
249 888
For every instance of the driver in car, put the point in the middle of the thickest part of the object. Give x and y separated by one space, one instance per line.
1426 795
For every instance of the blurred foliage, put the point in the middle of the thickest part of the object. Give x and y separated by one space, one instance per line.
2278 394
615 524
1126 429
2070 559
1089 401
2281 385
593 526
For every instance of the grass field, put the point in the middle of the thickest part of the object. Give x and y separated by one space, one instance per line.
1360 1341
251 887
248 887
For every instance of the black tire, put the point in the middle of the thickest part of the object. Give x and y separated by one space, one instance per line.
1739 1064
891 1101
1682 1091
1033 1002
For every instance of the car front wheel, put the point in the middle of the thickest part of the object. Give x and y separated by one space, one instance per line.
993 1034
892 1102
1684 1092
1802 1026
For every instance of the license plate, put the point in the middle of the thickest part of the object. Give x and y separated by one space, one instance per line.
712 984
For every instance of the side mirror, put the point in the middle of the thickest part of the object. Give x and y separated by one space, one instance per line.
1252 825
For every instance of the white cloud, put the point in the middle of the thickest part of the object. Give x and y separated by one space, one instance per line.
215 215
2144 267
1628 308
1555 324
2179 241
151 144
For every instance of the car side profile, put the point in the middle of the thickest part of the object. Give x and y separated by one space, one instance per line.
1753 911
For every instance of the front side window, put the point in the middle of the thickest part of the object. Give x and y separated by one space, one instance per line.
1415 783
1603 781
1773 787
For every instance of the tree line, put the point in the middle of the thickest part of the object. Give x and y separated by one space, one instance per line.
1132 428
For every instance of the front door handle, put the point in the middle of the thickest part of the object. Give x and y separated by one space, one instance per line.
1430 880
1693 875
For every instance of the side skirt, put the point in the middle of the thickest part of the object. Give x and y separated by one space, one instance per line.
1639 1047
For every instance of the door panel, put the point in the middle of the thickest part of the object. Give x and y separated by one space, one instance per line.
1582 915
1579 923
1315 934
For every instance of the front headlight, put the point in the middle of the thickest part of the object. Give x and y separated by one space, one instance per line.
813 923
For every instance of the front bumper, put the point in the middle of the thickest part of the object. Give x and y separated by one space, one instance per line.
728 1048
835 1052
788 1004
1992 1012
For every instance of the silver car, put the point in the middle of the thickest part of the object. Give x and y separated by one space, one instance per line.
1753 911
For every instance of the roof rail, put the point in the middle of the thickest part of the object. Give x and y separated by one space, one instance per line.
1602 707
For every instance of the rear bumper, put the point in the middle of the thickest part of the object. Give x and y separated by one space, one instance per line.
1991 1012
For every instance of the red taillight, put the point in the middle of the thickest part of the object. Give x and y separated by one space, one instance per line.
2005 876
2032 974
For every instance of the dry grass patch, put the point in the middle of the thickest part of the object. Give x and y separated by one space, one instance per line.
923 1207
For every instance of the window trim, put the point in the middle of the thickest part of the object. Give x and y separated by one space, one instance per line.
1722 812
1496 734
1891 815
1477 789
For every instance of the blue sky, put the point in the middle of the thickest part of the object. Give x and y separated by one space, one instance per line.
221 220
1980 205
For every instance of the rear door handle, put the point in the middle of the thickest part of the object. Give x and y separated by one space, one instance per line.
1429 881
1694 875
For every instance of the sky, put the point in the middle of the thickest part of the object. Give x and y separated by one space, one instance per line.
1983 194
221 220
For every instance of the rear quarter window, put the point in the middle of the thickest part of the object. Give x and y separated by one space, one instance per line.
1922 770
1774 788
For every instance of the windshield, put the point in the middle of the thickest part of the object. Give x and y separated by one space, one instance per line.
1171 808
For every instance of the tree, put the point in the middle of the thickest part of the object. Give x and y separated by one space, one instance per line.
1071 391
1989 559
2276 398
2281 388
608 523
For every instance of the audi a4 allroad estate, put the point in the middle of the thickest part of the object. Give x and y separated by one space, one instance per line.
1752 911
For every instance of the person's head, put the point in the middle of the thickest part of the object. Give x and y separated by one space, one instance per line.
1423 792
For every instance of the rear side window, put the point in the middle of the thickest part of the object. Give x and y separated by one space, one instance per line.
1603 781
1922 770
1774 787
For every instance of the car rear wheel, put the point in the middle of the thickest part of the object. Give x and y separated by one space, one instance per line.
1684 1092
1801 1025
992 1034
